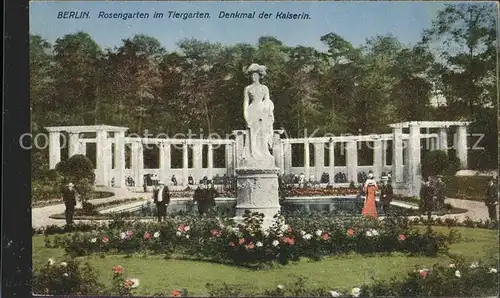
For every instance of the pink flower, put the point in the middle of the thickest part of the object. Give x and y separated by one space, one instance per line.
289 240
232 244
350 232
242 240
215 233
147 236
402 237
117 269
176 293
183 228
289 230
325 236
105 239
129 234
250 245
423 273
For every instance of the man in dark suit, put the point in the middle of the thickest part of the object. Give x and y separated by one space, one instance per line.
427 197
69 195
491 200
161 197
386 193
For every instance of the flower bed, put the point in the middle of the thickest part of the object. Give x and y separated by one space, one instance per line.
310 192
247 244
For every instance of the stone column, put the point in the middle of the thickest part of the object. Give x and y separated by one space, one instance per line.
414 159
397 155
120 159
137 163
83 148
278 152
229 159
74 146
331 168
185 164
319 159
197 161
461 145
377 159
306 160
384 154
210 161
288 158
102 155
163 162
443 139
54 149
352 161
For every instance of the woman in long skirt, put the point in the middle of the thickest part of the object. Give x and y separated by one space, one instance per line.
370 188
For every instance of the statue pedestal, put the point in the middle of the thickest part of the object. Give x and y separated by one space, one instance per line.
257 192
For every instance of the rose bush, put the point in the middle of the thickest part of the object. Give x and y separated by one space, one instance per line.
246 243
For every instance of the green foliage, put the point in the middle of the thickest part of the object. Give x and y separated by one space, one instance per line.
434 163
66 278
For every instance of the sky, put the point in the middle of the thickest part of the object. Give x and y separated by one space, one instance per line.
354 21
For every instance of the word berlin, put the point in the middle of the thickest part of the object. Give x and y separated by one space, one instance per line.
264 15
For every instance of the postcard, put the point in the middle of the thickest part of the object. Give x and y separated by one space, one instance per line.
213 149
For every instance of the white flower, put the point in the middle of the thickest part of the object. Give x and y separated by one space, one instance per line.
186 228
93 240
493 270
258 244
451 266
266 233
236 229
457 273
156 234
187 236
302 233
275 243
284 227
307 236
335 294
356 292
50 262
135 283
375 232
369 233
64 264
65 274
123 235
318 233
178 233
474 265
281 287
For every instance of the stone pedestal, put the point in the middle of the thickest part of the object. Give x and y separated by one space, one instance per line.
257 192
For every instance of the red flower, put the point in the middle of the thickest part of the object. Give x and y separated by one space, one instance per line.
215 233
128 283
181 228
325 236
424 273
242 240
250 245
147 236
176 293
105 239
232 244
129 233
350 232
289 240
402 237
117 269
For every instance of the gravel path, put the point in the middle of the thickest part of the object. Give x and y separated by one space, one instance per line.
40 215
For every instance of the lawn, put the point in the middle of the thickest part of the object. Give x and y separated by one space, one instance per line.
467 187
159 275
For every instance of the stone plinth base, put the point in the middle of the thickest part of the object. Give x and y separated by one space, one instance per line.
257 192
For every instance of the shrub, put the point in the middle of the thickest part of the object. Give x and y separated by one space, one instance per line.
77 167
66 278
434 163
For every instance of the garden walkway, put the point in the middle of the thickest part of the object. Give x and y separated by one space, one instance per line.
40 216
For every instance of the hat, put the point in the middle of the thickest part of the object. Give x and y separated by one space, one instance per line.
385 178
70 184
370 175
254 67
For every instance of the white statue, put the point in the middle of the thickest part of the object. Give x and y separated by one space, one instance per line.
258 111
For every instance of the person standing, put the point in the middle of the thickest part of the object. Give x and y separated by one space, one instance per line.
69 195
370 188
491 200
161 197
440 193
386 194
427 196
